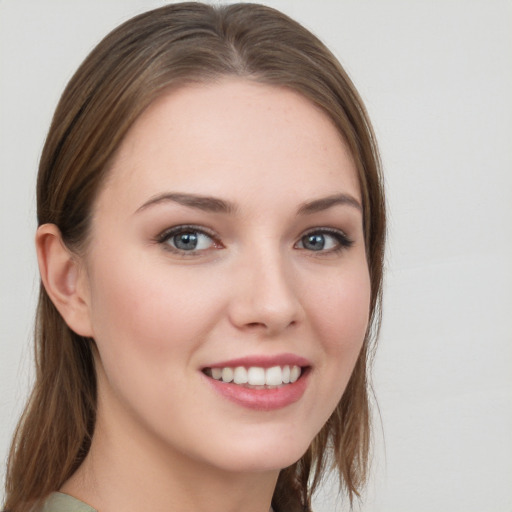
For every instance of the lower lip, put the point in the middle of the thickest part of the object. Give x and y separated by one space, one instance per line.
262 399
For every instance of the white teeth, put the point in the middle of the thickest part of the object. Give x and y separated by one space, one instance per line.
227 374
257 376
240 375
217 373
274 376
294 373
286 374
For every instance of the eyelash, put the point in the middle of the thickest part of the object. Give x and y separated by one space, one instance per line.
342 240
168 234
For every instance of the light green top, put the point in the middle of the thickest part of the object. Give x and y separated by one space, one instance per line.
59 502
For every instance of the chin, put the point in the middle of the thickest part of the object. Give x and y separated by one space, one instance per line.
265 455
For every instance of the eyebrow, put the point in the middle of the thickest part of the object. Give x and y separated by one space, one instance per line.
325 203
205 203
216 205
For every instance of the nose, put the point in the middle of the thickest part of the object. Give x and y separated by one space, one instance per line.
264 296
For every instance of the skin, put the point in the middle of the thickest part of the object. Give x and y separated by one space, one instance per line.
165 439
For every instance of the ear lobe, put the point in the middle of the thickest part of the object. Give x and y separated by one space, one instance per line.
63 279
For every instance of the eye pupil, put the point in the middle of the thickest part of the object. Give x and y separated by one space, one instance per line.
314 242
185 241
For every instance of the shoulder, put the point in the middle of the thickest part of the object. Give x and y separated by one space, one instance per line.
59 502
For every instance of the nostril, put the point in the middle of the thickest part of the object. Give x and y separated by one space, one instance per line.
263 325
255 324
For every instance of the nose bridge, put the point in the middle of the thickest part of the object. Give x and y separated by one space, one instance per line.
265 293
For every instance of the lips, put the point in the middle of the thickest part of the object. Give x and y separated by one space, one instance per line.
261 383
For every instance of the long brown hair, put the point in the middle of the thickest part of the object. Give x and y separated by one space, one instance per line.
161 49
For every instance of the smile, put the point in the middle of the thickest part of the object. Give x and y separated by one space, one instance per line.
260 383
256 377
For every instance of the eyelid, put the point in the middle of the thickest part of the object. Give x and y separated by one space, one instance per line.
168 233
344 241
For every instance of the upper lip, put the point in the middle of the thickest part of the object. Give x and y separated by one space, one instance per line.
263 361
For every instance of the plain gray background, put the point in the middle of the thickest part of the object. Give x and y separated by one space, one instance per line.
436 77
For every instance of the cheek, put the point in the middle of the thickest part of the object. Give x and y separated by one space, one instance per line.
338 314
342 311
340 318
149 314
147 331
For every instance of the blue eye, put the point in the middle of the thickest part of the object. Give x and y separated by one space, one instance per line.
186 239
324 241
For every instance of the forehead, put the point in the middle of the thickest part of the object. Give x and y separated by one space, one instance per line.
228 137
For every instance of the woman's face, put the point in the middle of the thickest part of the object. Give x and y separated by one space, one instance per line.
226 247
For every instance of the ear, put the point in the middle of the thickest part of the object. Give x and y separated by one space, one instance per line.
64 279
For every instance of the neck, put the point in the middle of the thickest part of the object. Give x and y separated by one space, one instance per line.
128 469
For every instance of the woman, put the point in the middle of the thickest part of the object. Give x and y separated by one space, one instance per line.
211 232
